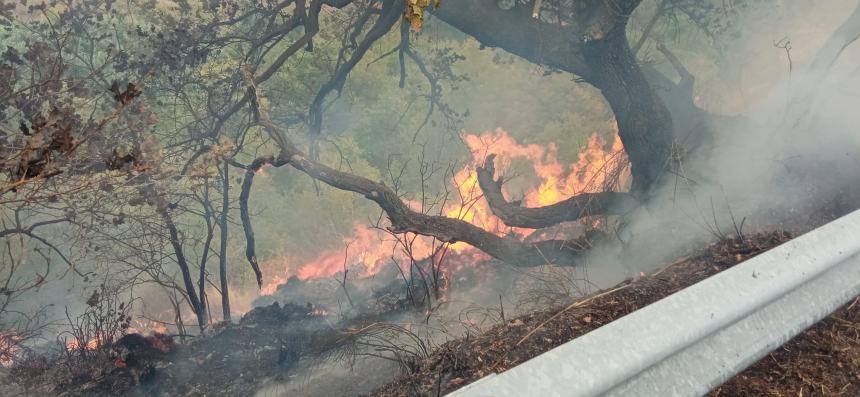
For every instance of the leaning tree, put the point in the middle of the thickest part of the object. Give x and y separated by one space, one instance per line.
587 38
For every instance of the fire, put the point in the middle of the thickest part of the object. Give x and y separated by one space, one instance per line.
263 171
367 249
319 312
9 348
596 169
91 344
146 326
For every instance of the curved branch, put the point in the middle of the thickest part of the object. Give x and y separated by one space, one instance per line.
405 220
577 207
311 25
250 242
59 253
847 33
391 12
687 83
30 231
646 32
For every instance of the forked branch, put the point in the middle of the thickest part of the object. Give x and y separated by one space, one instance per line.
577 207
406 220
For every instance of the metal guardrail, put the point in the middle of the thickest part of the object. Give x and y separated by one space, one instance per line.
694 340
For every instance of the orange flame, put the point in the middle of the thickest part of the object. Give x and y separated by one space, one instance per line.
91 344
145 326
9 348
596 169
319 312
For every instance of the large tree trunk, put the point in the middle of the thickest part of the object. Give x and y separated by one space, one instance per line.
516 32
593 46
644 123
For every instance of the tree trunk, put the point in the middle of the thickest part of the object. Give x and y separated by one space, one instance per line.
593 46
644 123
222 258
182 262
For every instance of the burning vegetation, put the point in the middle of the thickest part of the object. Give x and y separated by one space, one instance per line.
600 166
292 198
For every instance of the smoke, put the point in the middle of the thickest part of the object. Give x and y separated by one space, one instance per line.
786 160
781 155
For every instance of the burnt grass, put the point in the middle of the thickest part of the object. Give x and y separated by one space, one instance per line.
267 343
270 341
822 361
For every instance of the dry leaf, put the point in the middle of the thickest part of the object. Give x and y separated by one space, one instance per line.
414 12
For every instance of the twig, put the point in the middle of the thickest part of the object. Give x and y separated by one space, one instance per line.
677 262
345 272
785 44
571 306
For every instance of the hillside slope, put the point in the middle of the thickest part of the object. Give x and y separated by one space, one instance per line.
822 361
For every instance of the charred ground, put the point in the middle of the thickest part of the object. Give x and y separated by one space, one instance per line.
270 342
823 361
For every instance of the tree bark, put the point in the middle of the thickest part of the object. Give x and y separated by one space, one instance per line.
516 32
222 251
644 123
402 218
449 230
244 213
204 255
182 262
576 207
594 46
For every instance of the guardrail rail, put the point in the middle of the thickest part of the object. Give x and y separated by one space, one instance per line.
696 339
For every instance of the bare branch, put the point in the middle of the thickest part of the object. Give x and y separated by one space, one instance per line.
405 220
576 207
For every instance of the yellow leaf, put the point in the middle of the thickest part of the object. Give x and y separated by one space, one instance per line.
414 12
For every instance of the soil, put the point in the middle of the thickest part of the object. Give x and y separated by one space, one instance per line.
822 361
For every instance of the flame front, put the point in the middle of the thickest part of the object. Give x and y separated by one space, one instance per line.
368 250
91 344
